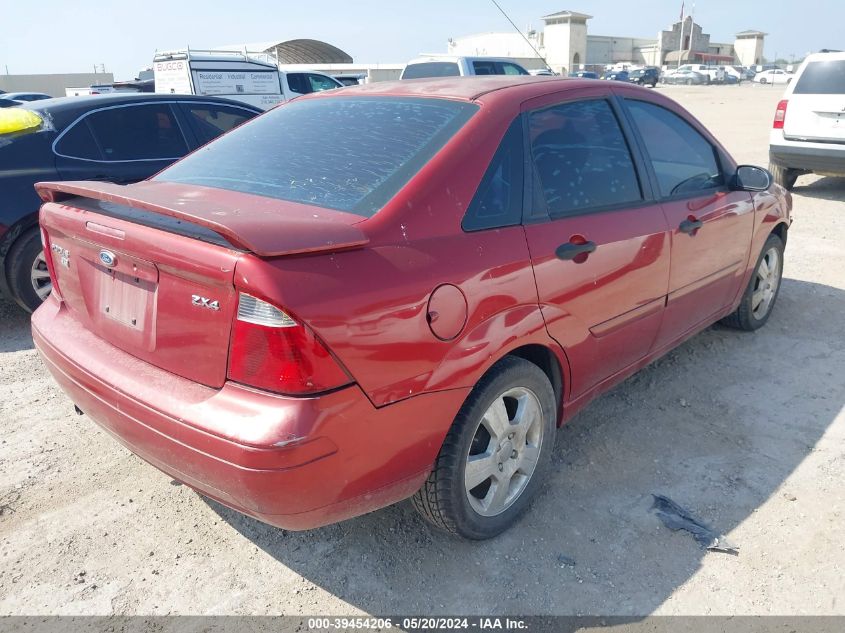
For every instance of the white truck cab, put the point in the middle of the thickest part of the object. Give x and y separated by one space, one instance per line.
452 66
252 78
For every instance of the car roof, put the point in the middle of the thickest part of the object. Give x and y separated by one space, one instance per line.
12 95
826 57
462 88
65 110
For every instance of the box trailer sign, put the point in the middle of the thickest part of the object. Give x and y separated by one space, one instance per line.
173 77
234 83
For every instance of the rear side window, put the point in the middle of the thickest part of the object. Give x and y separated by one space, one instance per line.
78 142
484 68
341 153
581 158
431 69
822 78
683 160
142 132
210 121
498 200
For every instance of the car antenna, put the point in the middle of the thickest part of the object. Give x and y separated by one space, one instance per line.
527 41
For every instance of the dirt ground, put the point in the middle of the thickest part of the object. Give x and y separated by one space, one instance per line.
746 430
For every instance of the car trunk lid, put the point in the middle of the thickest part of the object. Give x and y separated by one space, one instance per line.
150 267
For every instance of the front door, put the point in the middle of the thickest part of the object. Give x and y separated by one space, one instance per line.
600 247
710 224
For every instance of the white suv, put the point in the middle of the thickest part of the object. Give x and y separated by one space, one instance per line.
808 134
451 66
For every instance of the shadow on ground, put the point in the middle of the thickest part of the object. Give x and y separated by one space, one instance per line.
717 425
827 188
14 327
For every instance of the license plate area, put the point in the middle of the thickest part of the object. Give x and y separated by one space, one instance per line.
125 298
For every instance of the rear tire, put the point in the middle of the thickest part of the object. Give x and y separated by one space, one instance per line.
504 434
29 280
784 176
758 300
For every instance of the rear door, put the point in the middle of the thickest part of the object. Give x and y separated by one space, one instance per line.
816 107
122 143
710 224
598 240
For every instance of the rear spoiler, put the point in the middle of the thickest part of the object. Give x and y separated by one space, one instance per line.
265 226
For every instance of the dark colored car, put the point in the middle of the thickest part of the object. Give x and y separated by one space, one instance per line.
24 97
616 75
584 74
119 138
308 330
645 76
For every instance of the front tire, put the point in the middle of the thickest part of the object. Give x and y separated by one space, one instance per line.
759 298
784 176
496 453
29 279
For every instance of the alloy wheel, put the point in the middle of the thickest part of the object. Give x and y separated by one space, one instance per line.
504 452
767 279
39 275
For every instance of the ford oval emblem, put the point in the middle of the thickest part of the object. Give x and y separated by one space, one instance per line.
108 258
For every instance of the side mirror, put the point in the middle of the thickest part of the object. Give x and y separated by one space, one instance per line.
751 178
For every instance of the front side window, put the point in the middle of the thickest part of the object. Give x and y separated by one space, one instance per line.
512 69
431 69
339 153
319 83
297 83
581 158
142 132
683 160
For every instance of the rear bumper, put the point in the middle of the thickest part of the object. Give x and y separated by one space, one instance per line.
297 463
826 158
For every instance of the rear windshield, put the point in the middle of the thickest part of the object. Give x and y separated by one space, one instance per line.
431 69
341 153
822 78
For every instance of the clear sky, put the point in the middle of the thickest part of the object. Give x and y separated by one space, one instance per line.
73 35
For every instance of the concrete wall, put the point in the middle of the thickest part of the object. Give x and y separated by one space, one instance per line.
607 49
53 85
749 50
493 45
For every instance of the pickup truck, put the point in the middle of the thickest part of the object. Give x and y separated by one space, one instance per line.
715 74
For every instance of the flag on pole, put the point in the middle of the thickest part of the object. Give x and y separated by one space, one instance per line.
682 11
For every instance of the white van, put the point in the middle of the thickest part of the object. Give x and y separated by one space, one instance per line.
252 78
452 66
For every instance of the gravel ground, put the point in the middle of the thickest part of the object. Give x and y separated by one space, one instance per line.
746 430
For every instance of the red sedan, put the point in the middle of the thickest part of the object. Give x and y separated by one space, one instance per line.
400 290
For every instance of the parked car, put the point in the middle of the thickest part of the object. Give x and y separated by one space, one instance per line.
584 74
685 77
452 66
24 97
773 76
253 78
119 138
648 76
616 75
714 74
222 318
808 133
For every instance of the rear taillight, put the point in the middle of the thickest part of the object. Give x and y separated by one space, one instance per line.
271 350
780 115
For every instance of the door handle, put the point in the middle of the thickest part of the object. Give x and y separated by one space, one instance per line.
571 250
690 226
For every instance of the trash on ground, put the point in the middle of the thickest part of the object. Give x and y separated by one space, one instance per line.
677 518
